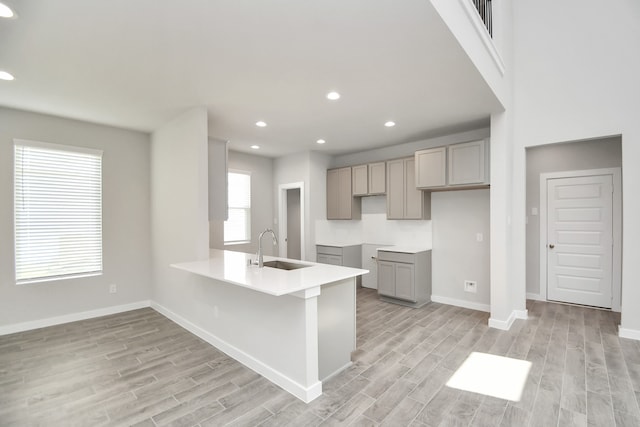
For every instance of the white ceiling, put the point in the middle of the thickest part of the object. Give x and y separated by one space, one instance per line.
136 64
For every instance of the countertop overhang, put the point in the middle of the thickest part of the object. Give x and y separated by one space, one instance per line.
233 267
404 249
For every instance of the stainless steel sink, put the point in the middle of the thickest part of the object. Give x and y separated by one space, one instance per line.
284 265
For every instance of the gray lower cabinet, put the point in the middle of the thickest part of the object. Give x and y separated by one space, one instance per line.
405 278
329 259
346 256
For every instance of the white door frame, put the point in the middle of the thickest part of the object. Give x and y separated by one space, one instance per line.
282 217
616 261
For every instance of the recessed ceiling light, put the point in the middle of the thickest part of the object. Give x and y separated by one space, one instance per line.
390 124
6 12
261 124
5 76
333 96
255 147
321 141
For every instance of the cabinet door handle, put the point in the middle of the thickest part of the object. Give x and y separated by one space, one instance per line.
551 246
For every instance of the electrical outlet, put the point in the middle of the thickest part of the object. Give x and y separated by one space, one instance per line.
470 286
113 288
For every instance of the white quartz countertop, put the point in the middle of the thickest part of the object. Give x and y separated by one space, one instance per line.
232 267
336 244
405 249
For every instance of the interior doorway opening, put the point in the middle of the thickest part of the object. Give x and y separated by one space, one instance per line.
291 220
557 171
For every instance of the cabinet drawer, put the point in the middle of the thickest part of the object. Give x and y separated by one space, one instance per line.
397 257
329 250
329 259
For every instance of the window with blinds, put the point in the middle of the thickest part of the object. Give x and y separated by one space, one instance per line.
58 211
237 227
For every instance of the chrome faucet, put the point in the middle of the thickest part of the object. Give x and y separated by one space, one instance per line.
260 261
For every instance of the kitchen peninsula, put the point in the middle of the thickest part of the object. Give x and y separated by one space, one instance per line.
296 327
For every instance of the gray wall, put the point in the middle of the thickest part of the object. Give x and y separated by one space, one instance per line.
179 209
456 219
593 154
261 169
126 231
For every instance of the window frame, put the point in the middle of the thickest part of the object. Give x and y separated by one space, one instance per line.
248 211
98 219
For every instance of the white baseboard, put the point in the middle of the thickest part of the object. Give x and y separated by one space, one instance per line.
631 334
521 314
461 303
505 325
306 394
74 317
535 297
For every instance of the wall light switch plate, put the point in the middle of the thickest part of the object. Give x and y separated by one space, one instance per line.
479 237
534 211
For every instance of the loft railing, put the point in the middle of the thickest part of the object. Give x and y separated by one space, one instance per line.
484 9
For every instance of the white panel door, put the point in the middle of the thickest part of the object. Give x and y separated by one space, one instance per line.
579 240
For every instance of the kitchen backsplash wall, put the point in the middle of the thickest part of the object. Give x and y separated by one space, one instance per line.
374 227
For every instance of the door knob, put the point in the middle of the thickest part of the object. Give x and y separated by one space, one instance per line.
551 246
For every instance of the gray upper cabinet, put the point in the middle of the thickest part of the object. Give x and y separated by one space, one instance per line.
369 180
453 167
431 167
395 189
340 201
468 163
360 177
404 201
377 178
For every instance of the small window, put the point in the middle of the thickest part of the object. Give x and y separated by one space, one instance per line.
237 227
57 212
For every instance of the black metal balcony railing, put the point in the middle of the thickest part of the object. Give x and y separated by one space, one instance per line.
484 9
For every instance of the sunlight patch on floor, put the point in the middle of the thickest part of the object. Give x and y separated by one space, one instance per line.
491 375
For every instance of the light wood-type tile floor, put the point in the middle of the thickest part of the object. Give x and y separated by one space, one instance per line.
138 368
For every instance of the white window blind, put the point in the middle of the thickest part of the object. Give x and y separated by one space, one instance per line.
58 211
237 228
